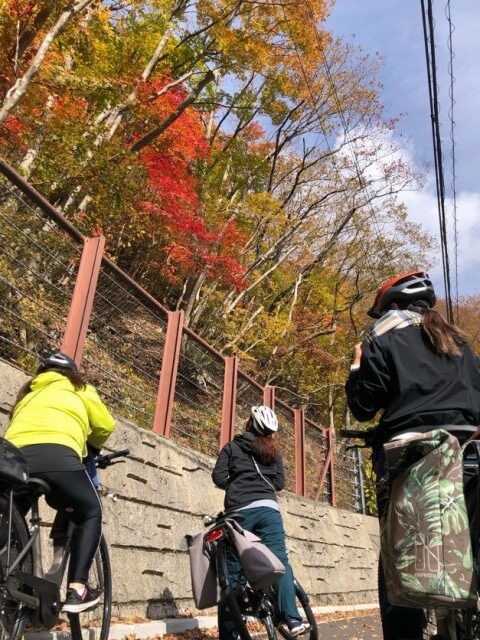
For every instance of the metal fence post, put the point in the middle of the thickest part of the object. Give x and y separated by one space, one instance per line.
168 375
300 484
269 396
331 448
227 430
327 470
78 319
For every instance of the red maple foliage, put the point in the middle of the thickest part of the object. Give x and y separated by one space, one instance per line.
193 243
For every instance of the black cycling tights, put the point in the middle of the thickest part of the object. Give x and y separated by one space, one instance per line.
74 497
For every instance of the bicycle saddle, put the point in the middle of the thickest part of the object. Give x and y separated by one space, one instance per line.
38 487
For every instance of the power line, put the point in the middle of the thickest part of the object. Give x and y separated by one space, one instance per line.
430 55
451 29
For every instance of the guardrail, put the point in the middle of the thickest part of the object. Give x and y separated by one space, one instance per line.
58 287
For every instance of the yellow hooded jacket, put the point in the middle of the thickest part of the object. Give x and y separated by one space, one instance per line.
54 413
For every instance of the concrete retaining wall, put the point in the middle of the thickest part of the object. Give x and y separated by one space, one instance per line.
164 490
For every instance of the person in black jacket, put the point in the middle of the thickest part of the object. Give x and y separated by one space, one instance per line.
250 469
419 372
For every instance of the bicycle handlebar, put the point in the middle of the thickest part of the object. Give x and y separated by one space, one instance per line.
105 460
367 435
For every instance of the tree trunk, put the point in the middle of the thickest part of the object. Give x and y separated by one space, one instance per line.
18 90
157 131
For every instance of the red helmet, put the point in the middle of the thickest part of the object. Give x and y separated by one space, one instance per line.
406 288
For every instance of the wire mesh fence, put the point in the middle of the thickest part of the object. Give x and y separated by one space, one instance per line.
347 479
197 408
286 437
316 450
125 344
249 394
38 266
124 347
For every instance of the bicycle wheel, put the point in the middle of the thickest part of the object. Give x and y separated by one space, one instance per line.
19 538
305 611
304 608
252 614
98 619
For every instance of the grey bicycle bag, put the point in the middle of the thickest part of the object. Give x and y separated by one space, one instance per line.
205 589
261 566
425 535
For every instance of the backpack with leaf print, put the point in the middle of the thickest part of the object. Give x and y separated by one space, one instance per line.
425 536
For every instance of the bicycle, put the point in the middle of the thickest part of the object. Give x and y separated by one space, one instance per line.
254 612
461 624
30 595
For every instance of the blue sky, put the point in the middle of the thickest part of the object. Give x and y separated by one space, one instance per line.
393 28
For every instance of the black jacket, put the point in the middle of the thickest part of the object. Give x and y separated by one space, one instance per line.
236 473
401 375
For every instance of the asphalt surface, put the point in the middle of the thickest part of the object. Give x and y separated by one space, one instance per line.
364 628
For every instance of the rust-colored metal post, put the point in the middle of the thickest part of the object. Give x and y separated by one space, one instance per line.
326 468
331 447
269 396
168 376
80 312
229 400
300 484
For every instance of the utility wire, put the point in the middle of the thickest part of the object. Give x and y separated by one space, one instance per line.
451 114
430 55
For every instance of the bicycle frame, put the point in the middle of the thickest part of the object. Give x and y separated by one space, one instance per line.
61 552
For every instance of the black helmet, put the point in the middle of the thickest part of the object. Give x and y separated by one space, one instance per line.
404 288
57 360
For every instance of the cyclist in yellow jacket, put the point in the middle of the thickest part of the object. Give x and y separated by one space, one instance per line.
54 418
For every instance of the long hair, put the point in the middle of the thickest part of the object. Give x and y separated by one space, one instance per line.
445 338
265 449
75 378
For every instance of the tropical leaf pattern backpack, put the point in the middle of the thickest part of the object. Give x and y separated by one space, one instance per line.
425 536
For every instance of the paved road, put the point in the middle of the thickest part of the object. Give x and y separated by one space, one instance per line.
364 628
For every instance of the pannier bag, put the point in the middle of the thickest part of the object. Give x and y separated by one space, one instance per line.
205 589
13 465
425 537
261 566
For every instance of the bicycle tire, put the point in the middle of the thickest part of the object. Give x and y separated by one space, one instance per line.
304 608
243 603
19 539
250 627
100 577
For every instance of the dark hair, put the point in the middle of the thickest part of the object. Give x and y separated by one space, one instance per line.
445 338
75 378
265 449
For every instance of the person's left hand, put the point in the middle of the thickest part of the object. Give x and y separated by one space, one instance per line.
357 354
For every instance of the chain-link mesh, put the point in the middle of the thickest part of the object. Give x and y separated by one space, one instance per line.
124 347
286 438
125 344
38 265
197 409
316 449
346 478
249 394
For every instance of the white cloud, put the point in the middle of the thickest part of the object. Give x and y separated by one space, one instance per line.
422 208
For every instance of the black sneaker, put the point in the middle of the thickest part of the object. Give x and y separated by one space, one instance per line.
76 602
296 627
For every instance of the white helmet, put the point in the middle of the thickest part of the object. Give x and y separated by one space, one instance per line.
264 420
